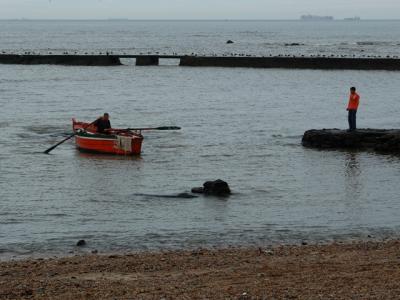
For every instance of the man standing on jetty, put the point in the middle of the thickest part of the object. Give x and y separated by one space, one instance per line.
354 101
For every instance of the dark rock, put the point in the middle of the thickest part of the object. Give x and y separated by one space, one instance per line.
293 44
382 140
198 190
81 243
229 42
213 188
27 292
217 188
185 196
175 196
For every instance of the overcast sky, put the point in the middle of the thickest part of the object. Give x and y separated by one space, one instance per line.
197 9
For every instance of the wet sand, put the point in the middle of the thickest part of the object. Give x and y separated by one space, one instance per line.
364 270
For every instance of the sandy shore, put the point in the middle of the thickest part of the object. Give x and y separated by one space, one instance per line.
367 270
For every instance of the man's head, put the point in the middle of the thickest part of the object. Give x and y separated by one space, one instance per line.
106 116
352 90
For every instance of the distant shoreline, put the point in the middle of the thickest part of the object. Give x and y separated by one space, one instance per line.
197 20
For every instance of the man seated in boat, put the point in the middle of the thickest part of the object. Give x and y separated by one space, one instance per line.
103 124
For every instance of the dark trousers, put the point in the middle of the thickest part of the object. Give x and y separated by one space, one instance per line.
352 119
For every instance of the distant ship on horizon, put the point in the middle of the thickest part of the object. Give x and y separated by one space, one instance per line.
352 19
316 18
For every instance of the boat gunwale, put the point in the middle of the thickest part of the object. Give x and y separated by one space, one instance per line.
107 137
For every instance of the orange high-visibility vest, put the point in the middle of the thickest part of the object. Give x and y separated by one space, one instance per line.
354 101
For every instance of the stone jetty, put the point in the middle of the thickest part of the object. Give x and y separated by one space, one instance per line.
232 61
322 63
67 60
382 140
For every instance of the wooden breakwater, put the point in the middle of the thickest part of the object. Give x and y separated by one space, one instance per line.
324 63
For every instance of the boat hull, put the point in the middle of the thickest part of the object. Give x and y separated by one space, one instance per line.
122 143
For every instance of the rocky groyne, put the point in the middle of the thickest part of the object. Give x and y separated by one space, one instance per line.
382 140
68 60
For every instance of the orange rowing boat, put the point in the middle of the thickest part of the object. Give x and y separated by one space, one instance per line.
116 141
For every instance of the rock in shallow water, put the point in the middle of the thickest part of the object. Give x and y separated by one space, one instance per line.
81 243
214 188
383 140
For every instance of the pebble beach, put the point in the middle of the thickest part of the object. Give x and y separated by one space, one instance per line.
359 270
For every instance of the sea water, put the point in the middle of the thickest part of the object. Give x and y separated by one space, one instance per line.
240 125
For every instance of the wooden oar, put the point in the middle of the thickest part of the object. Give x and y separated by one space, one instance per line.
66 139
156 128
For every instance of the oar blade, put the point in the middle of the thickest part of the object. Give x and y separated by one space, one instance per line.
168 128
154 128
49 150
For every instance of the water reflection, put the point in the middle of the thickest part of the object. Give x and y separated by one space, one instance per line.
109 157
353 182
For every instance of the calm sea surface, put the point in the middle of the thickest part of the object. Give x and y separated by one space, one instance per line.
241 125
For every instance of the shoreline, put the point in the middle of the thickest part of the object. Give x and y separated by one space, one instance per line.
361 270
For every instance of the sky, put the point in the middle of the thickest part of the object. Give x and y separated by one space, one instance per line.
197 9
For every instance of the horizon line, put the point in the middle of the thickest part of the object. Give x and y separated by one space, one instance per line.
191 20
